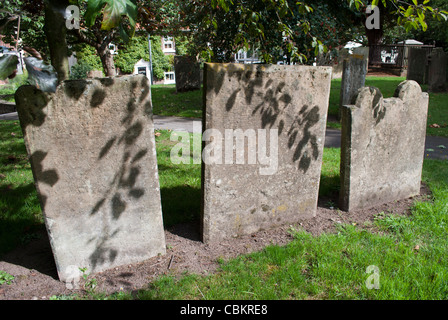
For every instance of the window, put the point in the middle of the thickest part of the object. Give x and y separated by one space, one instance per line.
169 78
168 44
141 70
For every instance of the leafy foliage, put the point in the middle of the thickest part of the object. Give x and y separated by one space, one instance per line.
113 12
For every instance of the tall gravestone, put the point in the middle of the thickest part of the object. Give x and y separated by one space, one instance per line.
269 174
417 65
188 73
353 78
437 70
382 149
364 52
92 152
338 67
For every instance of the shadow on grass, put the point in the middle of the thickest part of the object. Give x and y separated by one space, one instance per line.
181 207
23 237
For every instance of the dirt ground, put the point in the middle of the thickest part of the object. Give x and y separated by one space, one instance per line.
36 277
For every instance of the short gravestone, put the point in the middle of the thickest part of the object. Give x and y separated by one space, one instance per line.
382 146
264 132
437 70
417 65
92 152
188 73
353 78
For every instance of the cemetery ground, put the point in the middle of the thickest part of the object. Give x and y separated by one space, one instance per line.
322 258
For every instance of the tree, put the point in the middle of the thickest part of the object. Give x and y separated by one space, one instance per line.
105 21
236 24
56 33
437 29
228 25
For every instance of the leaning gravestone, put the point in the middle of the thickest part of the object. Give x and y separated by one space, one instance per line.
353 78
92 153
382 149
269 174
188 73
437 70
418 65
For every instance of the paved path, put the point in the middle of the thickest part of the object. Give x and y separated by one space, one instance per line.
332 138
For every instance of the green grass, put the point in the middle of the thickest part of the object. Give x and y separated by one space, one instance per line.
411 254
20 213
180 184
166 102
12 85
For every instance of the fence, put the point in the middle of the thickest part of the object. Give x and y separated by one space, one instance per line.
393 56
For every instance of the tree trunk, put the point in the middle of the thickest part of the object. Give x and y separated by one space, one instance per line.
55 31
374 38
107 60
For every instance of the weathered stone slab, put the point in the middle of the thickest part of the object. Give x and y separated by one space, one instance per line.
383 143
364 52
418 65
338 67
437 70
188 73
261 185
92 152
353 78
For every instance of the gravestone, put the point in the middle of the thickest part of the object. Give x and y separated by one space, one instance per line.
338 67
353 78
188 73
269 174
364 52
382 146
417 65
92 152
437 70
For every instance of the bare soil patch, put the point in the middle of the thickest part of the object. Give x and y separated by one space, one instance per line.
36 278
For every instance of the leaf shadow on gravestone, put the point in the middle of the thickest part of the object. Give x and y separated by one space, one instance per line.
273 110
34 114
49 177
123 184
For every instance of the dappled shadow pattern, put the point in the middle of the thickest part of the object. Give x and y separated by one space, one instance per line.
274 107
30 104
49 177
124 181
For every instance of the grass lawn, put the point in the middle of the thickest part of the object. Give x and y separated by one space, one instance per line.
411 253
167 103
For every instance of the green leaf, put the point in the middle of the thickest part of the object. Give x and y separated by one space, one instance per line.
41 75
93 10
115 9
409 12
112 10
8 63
